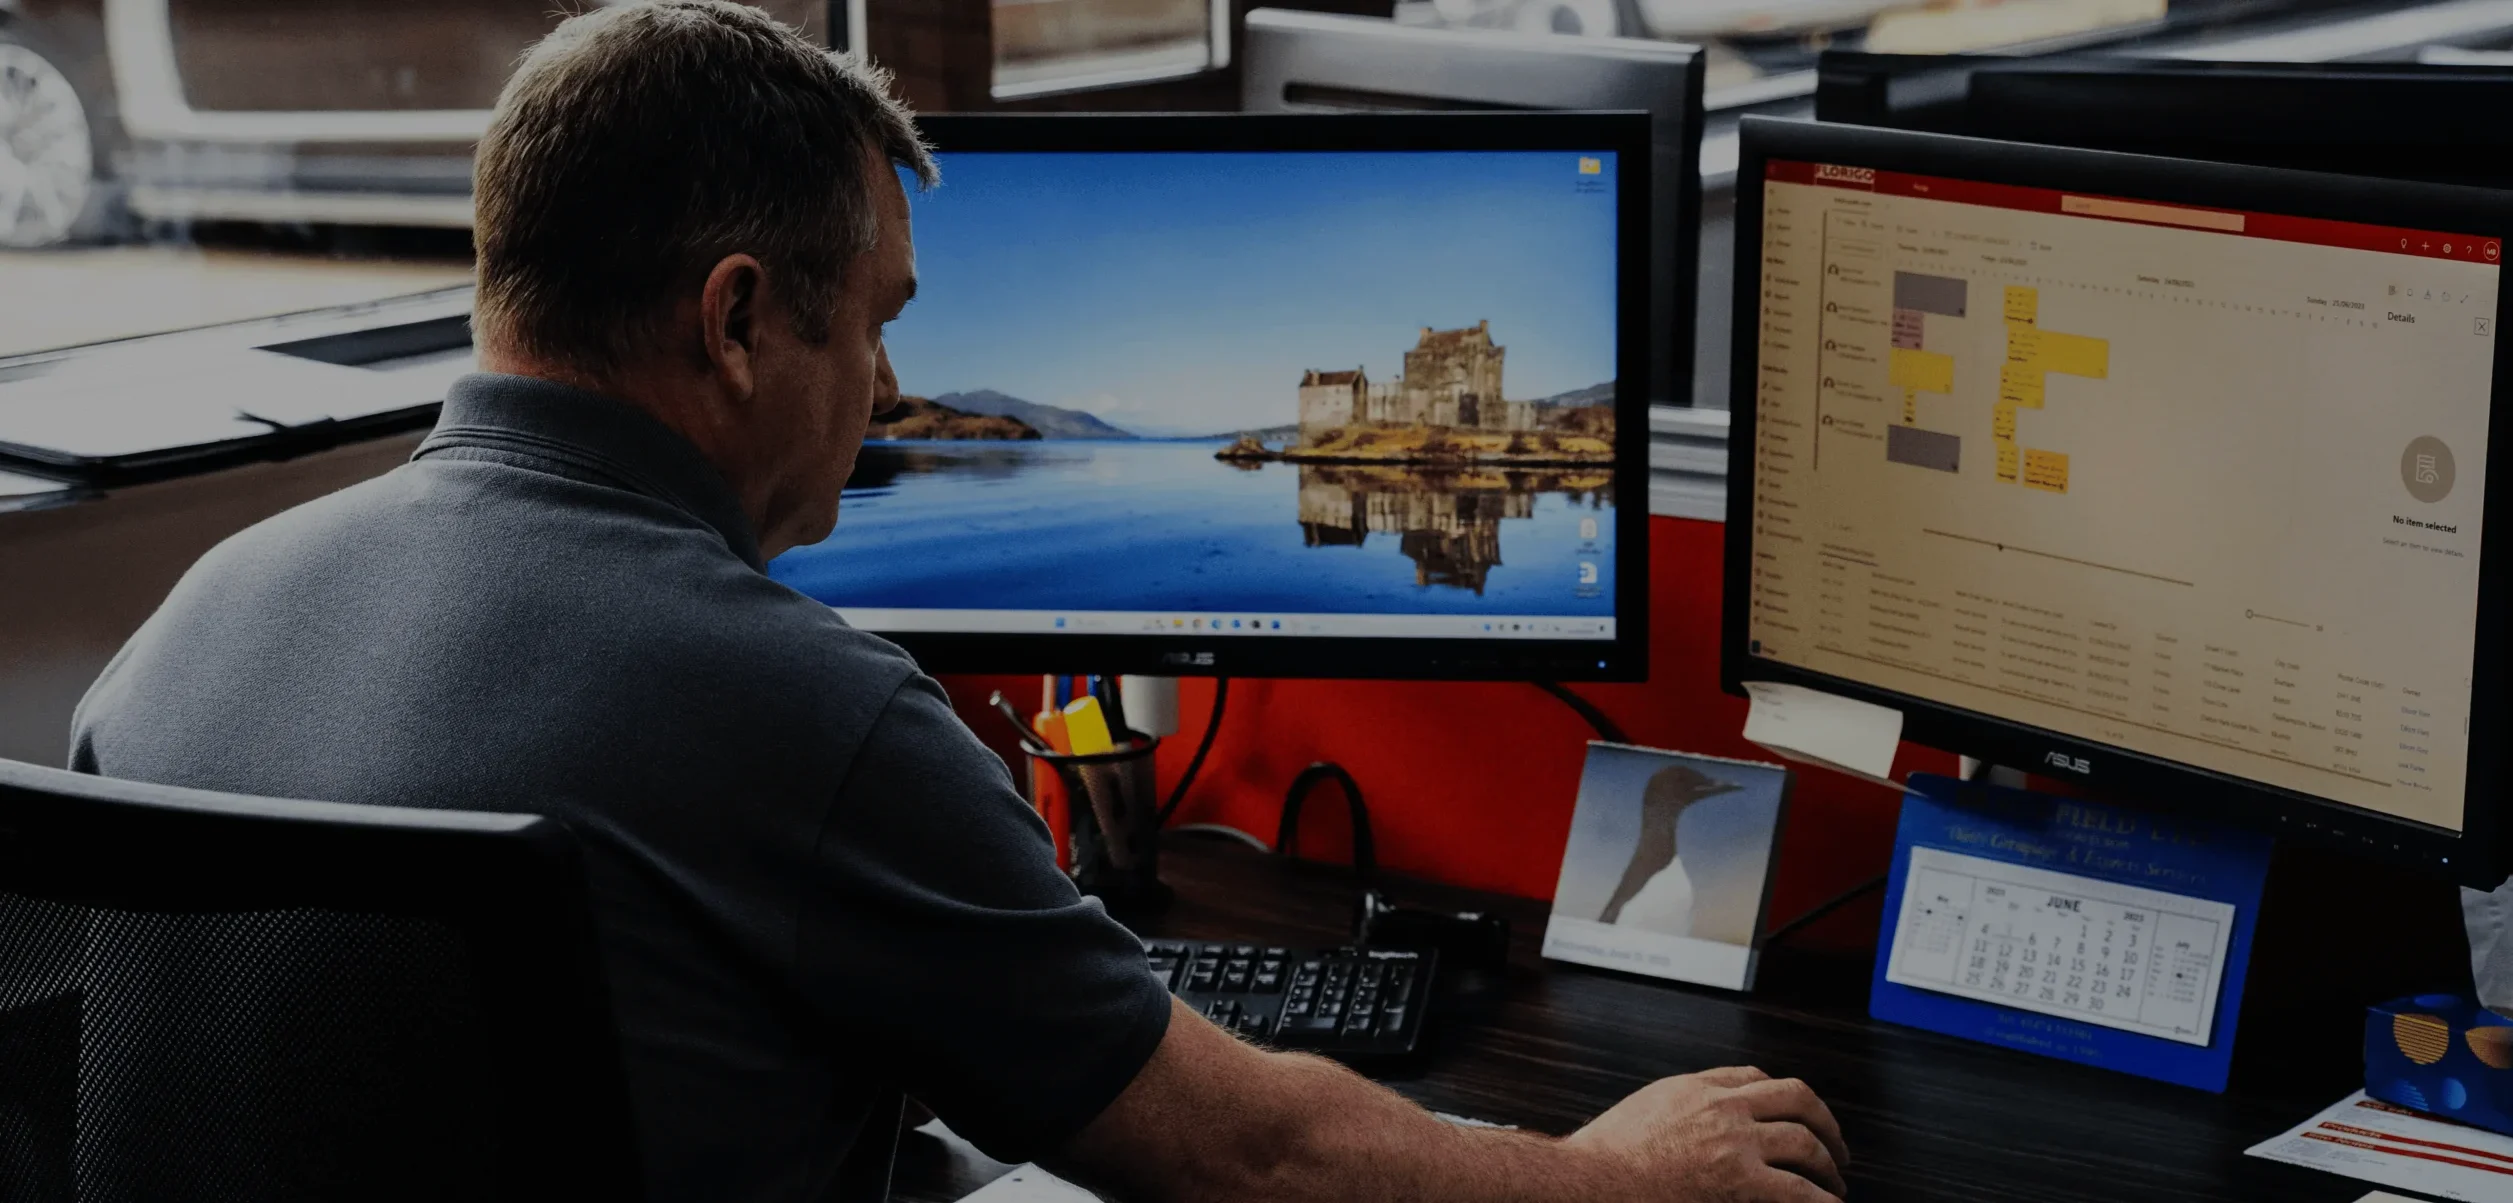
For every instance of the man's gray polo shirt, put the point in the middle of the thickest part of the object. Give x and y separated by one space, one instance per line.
810 878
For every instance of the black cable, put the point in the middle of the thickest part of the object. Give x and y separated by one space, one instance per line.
1203 748
1597 721
1821 909
1365 856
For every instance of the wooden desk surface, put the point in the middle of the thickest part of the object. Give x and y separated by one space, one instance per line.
1926 1117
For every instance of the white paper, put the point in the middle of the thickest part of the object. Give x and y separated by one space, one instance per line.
1829 729
131 403
14 485
1030 1184
2362 1138
2384 1196
2486 916
2078 948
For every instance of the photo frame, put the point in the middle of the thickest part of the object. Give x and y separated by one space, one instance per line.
1669 866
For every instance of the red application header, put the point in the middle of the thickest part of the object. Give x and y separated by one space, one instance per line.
2280 227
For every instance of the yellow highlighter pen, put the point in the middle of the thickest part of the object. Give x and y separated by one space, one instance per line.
1087 727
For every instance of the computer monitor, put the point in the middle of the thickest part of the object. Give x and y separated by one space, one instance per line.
2169 478
1304 62
2449 124
1264 396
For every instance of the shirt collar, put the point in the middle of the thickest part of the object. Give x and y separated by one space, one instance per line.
589 432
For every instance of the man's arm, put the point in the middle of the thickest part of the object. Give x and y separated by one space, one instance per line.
1212 1118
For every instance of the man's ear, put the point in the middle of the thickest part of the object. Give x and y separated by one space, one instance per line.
729 313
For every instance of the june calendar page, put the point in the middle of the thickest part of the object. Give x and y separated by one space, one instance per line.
2059 944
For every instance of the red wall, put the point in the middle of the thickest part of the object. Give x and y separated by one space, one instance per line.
1472 783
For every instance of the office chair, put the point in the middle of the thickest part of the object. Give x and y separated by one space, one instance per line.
210 998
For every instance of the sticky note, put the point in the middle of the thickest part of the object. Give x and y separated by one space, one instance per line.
1855 735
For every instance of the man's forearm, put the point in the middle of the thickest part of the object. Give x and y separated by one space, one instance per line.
1334 1135
1215 1120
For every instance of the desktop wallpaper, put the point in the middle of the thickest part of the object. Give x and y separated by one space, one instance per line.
1324 383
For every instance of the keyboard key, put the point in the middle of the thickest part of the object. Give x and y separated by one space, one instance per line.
1235 979
1245 950
1269 983
1391 1021
1312 1025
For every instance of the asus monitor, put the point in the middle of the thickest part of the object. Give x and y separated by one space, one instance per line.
2168 478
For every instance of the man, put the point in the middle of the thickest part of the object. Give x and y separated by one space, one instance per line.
811 881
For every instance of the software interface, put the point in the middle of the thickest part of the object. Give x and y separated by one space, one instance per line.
2196 483
1248 394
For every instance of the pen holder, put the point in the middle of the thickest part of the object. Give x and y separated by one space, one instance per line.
1105 811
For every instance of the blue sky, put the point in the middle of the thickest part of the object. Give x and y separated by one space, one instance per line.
1185 293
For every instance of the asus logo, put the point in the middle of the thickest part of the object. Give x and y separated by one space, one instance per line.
1862 176
2062 760
1191 659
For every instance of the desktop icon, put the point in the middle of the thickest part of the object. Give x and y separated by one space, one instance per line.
1588 528
1060 624
1234 624
1588 572
1591 166
1278 624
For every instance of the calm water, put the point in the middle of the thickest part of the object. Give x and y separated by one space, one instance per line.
1163 526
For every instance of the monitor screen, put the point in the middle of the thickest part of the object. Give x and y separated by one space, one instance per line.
1248 395
2200 483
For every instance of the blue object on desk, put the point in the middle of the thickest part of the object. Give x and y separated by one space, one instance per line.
2004 871
2442 1054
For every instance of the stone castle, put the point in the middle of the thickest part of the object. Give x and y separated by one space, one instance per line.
1452 378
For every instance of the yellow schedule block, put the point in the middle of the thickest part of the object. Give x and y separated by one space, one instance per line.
2019 385
1926 371
2002 421
2037 350
2007 459
2023 304
2076 355
1910 407
2046 470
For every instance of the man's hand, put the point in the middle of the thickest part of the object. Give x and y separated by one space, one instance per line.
1725 1135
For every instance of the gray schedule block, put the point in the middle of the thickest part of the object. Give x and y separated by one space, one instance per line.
1929 294
1924 448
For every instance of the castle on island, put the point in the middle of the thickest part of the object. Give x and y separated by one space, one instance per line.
1452 378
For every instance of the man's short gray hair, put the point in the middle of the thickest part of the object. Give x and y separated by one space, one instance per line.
639 145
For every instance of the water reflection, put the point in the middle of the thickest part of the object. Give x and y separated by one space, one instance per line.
1448 522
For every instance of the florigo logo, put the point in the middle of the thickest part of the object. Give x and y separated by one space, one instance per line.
1856 177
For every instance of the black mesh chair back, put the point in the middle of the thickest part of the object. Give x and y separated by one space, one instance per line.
210 998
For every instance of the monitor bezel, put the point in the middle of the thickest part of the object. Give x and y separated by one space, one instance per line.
1622 658
2475 854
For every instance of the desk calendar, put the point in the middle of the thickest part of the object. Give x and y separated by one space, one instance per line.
2078 947
2070 929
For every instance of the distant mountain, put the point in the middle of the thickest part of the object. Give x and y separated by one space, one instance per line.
1595 394
918 418
1271 434
1048 420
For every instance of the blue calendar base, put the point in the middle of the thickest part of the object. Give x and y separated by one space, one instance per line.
2005 874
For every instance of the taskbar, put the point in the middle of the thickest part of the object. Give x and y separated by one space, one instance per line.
1207 624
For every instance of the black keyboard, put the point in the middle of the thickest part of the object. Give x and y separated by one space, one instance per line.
1342 1002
